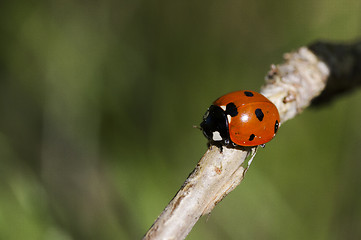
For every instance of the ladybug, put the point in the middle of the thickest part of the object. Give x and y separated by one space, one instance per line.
241 118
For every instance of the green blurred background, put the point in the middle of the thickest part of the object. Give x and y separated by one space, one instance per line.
98 100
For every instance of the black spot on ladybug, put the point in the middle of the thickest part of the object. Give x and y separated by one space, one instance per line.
231 109
248 94
276 126
259 114
251 137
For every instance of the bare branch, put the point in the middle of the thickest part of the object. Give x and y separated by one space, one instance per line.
344 61
216 175
291 86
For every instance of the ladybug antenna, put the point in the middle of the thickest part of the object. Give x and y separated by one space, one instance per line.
198 127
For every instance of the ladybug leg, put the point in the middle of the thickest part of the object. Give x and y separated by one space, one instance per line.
263 145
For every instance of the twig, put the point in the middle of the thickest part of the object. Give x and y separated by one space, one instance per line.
291 87
344 61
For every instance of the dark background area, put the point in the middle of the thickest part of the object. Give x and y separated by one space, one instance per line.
98 100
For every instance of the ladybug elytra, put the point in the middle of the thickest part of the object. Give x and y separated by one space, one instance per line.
244 118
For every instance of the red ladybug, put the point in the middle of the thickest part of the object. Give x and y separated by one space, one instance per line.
244 118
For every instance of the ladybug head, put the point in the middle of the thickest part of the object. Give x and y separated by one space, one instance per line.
215 125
